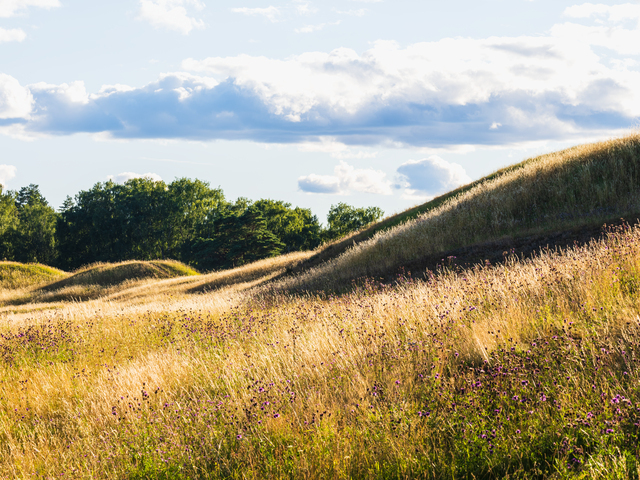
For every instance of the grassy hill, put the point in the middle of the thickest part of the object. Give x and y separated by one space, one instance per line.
582 186
14 275
526 369
107 274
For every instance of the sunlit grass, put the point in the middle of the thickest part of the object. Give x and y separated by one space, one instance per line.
527 369
583 185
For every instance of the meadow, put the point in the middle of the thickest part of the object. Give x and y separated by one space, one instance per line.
524 369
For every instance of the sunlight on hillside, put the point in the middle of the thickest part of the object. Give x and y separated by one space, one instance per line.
524 369
583 185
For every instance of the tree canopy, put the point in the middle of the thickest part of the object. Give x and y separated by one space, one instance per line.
144 219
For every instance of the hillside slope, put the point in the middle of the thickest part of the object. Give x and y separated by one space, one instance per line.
583 186
14 275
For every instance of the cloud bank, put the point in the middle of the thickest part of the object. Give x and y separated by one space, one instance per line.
579 79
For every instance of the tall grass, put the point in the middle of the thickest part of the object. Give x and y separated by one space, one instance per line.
583 185
524 370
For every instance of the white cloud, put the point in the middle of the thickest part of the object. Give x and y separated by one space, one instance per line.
16 101
171 14
74 92
10 8
431 176
346 179
315 28
271 13
303 7
7 172
455 91
126 176
13 35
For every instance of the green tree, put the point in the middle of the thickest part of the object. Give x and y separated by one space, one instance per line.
8 222
239 239
297 228
141 219
33 237
344 219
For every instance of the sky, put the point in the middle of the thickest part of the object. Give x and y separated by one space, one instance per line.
368 102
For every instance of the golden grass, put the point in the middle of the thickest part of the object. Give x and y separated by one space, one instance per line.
333 349
583 185
15 275
220 376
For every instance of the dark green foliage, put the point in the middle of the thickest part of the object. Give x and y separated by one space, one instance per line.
142 220
147 220
344 219
239 239
8 222
297 228
27 231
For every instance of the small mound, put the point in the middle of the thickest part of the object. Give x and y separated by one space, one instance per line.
14 275
109 274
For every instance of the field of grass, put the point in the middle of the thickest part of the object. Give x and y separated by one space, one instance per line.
525 369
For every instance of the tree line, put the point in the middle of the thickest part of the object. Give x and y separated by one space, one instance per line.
143 219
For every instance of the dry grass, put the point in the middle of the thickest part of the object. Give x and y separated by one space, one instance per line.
143 283
529 369
583 185
184 375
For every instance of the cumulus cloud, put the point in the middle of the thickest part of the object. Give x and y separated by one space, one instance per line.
7 172
13 35
10 8
346 179
126 176
431 176
455 91
171 14
16 101
271 13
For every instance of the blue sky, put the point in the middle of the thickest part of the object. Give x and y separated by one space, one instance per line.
367 102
